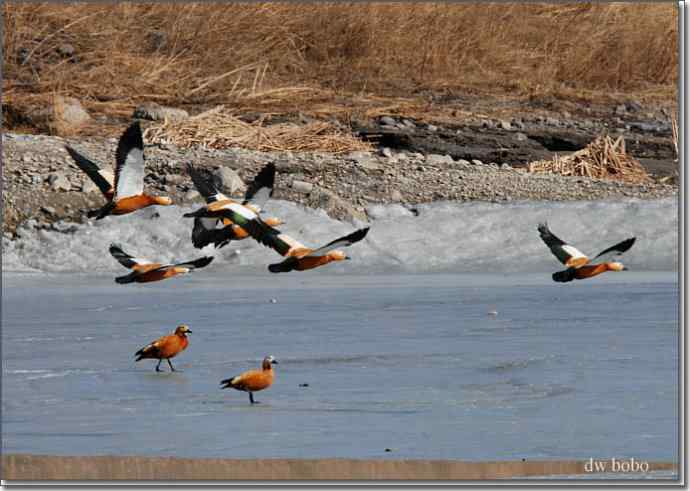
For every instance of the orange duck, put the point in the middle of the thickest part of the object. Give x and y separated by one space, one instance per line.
129 193
166 347
252 380
205 229
144 271
299 257
579 265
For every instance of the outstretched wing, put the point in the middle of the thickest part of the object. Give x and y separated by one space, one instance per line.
129 163
92 170
205 233
345 241
125 259
261 188
204 181
196 263
617 250
565 253
260 230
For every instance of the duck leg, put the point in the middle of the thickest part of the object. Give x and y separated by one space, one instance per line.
251 399
158 367
171 367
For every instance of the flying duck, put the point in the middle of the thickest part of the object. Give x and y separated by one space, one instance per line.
579 265
129 193
252 380
298 256
166 347
144 271
205 229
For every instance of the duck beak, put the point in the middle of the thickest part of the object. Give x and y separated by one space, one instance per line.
347 258
189 331
625 268
274 362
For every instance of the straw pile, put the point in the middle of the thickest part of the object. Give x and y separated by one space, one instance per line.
604 158
219 128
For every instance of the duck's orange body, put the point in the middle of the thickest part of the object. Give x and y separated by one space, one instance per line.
144 271
302 260
253 380
160 274
131 204
590 270
166 347
311 262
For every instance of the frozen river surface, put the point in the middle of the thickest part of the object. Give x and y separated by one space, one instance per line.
412 363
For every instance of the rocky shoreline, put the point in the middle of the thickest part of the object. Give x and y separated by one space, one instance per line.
41 182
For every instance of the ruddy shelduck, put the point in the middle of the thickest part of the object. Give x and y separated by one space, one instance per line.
144 271
166 347
205 229
128 186
252 380
298 256
101 178
579 265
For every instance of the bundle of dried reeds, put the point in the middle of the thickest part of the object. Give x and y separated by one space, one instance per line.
604 158
219 128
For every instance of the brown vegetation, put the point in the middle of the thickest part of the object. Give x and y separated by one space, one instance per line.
196 53
604 158
219 128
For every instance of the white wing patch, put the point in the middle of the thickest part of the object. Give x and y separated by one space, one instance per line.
573 252
140 261
294 244
131 177
241 210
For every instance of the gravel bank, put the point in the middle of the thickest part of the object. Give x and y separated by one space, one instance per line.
40 181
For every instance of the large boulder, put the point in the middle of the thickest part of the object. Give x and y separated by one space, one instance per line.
334 205
61 116
229 181
69 115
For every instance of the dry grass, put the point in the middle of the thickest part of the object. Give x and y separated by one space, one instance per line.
189 53
219 128
604 158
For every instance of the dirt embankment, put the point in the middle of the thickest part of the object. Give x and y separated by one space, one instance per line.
461 149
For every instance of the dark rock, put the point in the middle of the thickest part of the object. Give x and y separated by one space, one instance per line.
633 106
65 50
59 182
157 40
